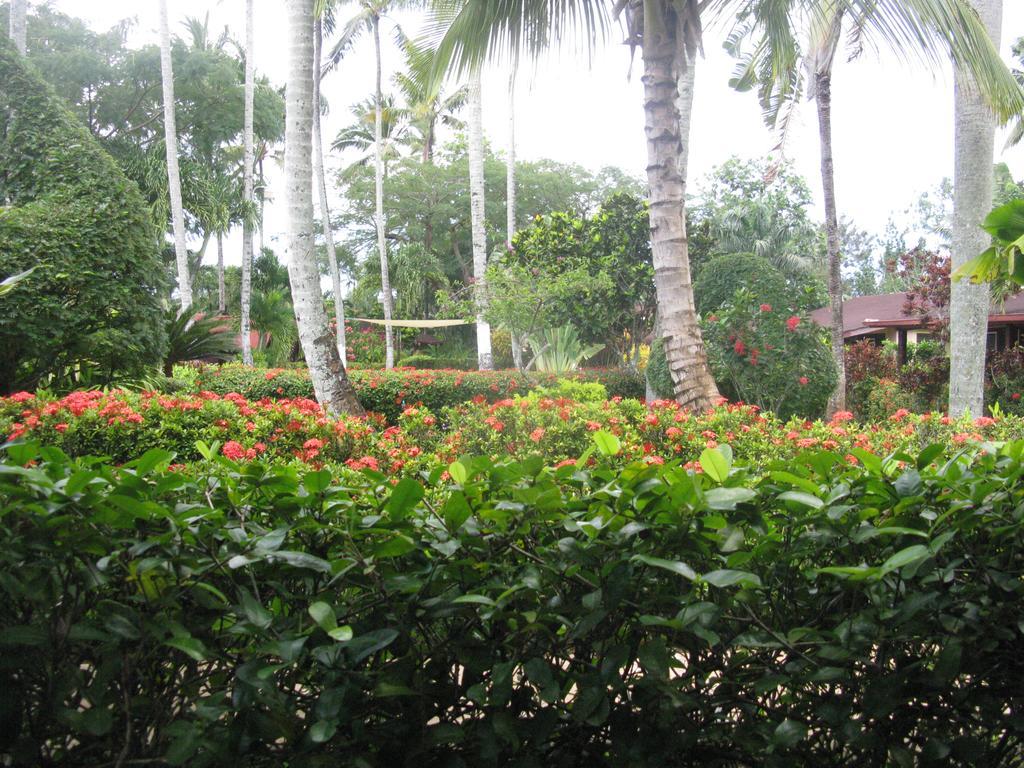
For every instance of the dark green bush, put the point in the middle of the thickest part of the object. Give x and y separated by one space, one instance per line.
723 275
94 297
390 392
825 615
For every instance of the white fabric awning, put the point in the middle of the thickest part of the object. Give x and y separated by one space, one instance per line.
409 323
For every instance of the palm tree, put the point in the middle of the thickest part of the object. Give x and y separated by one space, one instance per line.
669 33
321 185
780 68
368 20
16 25
326 371
426 103
360 136
485 359
248 161
974 148
173 174
1017 132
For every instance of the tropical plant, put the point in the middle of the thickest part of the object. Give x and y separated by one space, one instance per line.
426 103
326 370
197 338
668 32
1003 260
274 319
556 350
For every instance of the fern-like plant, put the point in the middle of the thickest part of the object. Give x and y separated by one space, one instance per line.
557 350
205 338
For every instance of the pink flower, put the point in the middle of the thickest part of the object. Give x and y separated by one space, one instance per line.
793 322
61 427
804 381
739 348
537 435
766 307
1015 396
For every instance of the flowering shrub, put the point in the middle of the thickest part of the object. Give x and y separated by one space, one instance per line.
390 392
123 426
1005 384
513 614
769 355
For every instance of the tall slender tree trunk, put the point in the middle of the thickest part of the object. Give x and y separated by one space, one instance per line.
974 148
510 200
330 383
382 246
321 185
823 99
510 172
664 61
485 359
17 26
173 174
222 294
248 160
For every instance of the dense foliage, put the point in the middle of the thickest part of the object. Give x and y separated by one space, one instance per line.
94 298
563 265
725 274
389 392
258 615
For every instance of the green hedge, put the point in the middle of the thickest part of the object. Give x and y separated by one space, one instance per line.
510 614
390 392
94 299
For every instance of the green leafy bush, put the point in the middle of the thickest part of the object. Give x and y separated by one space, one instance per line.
511 614
769 355
723 275
93 300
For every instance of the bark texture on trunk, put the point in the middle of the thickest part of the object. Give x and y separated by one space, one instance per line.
17 25
510 175
378 172
249 160
974 147
173 174
485 360
823 99
222 294
321 185
330 383
664 62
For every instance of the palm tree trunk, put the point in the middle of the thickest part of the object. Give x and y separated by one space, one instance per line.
510 174
823 99
664 60
249 159
485 360
321 184
222 295
330 383
382 247
974 148
17 24
173 174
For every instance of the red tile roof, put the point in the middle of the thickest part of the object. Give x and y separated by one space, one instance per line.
865 315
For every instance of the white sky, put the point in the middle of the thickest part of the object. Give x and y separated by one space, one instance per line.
892 122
